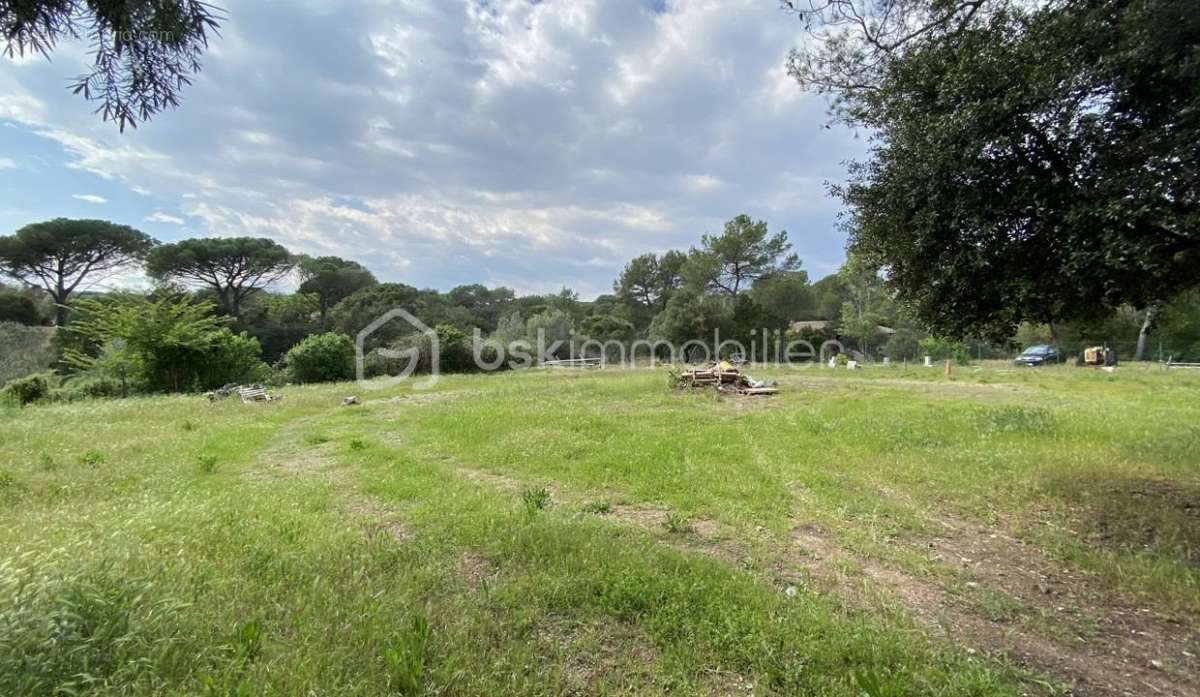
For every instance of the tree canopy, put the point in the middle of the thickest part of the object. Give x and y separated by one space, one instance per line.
1027 163
332 279
64 255
144 52
744 253
233 267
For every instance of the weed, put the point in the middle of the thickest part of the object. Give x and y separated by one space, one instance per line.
406 658
536 499
92 458
599 507
76 634
7 479
315 439
248 642
187 426
872 685
206 463
677 524
358 444
46 462
1015 419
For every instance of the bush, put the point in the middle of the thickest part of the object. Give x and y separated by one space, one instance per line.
28 390
89 387
942 349
231 358
164 344
20 309
25 350
325 357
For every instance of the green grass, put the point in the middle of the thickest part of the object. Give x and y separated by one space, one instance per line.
474 544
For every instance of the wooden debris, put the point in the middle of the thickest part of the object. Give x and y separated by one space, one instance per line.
723 376
574 363
253 393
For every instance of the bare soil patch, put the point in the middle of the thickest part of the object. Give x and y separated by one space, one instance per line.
1138 514
596 652
490 479
477 570
1102 647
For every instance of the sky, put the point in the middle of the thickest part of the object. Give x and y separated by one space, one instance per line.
528 144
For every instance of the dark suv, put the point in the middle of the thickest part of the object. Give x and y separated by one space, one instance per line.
1039 355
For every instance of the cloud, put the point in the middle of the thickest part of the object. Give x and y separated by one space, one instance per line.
160 217
7 163
90 198
501 141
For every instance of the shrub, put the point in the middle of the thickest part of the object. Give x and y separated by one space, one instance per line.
942 349
28 390
90 387
231 358
19 308
325 357
160 344
25 350
552 326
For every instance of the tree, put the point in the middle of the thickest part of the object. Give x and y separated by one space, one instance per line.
233 267
744 253
1028 163
647 282
356 312
692 316
785 297
144 51
608 328
332 279
169 343
509 329
485 306
552 325
61 255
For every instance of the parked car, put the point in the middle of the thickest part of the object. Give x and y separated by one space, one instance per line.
1039 355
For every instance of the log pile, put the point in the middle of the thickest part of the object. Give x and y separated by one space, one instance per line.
724 377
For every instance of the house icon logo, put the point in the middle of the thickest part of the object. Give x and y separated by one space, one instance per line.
413 355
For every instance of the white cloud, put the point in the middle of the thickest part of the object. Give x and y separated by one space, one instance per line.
506 141
7 163
90 198
161 217
700 183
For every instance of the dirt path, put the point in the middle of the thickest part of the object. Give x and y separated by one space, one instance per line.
1093 643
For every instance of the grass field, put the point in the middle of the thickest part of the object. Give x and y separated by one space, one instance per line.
882 532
